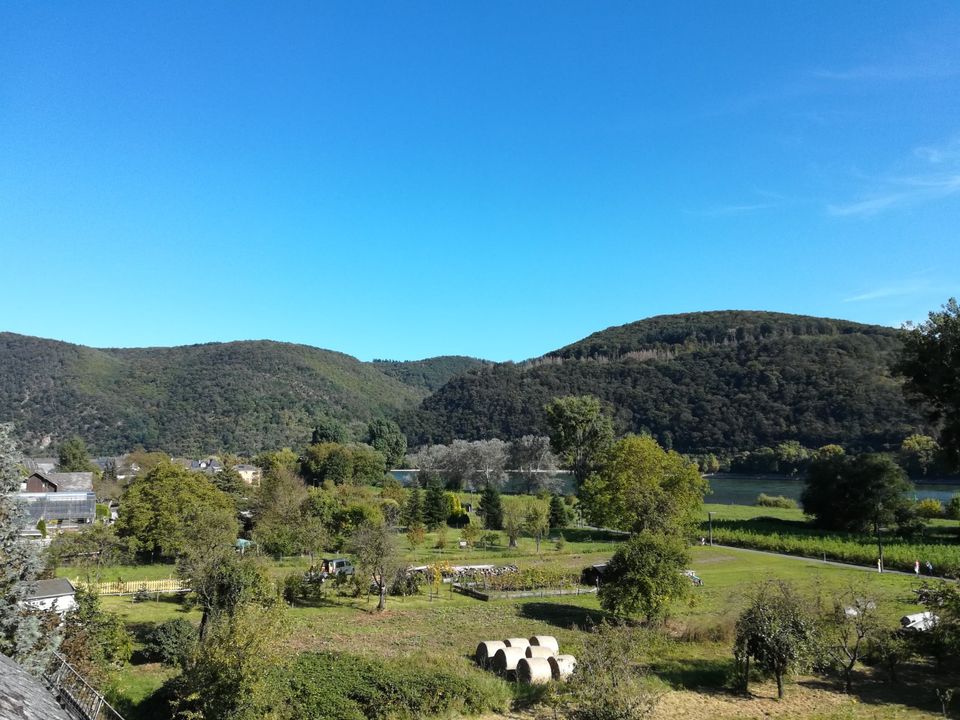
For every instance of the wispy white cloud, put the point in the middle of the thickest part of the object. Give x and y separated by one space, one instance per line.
917 284
888 73
721 210
933 174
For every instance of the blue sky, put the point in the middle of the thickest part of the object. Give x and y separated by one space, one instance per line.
495 179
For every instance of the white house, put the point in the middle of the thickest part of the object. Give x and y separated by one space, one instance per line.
57 595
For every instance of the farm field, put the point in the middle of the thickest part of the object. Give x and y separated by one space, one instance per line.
785 531
691 657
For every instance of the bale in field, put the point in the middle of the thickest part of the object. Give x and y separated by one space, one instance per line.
517 642
535 651
505 660
486 650
534 671
548 641
562 666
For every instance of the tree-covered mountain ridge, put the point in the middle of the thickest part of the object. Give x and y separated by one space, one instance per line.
241 396
719 381
663 337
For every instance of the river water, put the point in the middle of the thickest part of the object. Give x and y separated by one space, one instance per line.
743 489
728 489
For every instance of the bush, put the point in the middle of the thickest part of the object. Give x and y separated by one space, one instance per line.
929 508
775 501
953 507
406 583
172 642
329 686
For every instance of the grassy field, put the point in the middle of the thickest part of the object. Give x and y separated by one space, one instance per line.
786 531
691 656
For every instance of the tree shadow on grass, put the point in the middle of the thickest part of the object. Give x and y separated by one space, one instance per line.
563 616
584 535
694 674
916 688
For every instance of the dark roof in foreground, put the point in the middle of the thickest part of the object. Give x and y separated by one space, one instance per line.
50 588
23 697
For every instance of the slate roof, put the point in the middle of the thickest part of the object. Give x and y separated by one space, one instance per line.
42 589
70 482
23 697
40 464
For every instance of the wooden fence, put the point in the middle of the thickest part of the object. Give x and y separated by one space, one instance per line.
129 587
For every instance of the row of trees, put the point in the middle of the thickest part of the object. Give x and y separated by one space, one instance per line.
919 455
473 465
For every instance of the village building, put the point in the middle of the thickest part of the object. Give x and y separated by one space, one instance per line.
57 595
63 501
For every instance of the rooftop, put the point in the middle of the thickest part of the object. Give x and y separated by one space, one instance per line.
23 697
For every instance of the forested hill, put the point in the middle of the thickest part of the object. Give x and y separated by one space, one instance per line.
716 381
430 374
238 396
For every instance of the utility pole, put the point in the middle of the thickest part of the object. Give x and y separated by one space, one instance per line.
876 524
710 522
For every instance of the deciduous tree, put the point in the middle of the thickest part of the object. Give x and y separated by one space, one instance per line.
641 486
845 631
856 493
579 432
930 361
385 437
374 548
157 508
644 576
776 632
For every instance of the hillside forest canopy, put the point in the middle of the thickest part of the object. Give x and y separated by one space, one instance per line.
722 383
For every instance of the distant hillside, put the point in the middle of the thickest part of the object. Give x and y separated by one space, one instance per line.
239 396
717 381
430 374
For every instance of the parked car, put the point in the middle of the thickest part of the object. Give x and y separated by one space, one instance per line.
330 567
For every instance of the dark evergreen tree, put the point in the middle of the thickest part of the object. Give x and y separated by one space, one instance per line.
73 456
435 509
491 508
413 512
21 633
559 516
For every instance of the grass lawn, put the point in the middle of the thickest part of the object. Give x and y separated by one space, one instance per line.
692 657
159 571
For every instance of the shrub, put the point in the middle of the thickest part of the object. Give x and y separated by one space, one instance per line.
929 508
329 686
172 642
775 501
405 583
953 507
